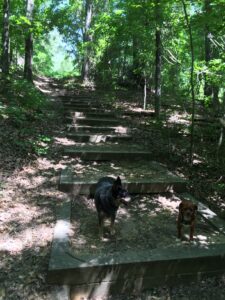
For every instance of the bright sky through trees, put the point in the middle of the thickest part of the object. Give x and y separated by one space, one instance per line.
60 58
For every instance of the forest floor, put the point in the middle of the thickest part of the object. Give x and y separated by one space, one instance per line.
29 195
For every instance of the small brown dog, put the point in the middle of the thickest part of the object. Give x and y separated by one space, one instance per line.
186 216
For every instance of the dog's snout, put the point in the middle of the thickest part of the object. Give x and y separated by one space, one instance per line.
126 199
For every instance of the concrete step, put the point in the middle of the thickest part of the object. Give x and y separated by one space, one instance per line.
110 151
101 112
77 106
82 101
91 114
86 109
70 98
100 273
99 129
97 138
139 113
95 121
137 176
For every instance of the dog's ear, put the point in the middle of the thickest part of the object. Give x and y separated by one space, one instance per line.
118 181
181 206
116 185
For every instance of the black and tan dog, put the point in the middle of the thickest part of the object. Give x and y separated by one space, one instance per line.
109 194
186 216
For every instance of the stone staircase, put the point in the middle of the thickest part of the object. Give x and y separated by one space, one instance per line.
106 144
106 136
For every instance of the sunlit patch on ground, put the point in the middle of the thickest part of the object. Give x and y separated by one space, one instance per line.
121 130
64 141
42 87
27 198
139 109
35 238
178 118
34 182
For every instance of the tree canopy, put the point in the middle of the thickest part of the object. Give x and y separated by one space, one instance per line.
114 42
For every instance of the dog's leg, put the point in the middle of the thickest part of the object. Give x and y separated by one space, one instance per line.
112 229
100 222
179 230
192 229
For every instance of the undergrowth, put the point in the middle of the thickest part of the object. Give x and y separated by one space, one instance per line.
24 114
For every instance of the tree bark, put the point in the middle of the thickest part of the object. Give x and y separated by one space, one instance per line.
136 64
191 82
28 72
208 50
5 38
158 63
145 94
87 38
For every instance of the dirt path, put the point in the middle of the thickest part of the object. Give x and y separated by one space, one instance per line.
28 199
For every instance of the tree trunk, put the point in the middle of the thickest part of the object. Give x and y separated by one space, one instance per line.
210 89
145 94
158 62
28 73
5 38
208 50
87 38
10 53
158 65
215 99
136 65
191 82
16 57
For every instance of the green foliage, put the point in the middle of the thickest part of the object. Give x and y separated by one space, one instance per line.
219 187
41 144
216 71
25 109
24 95
42 59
